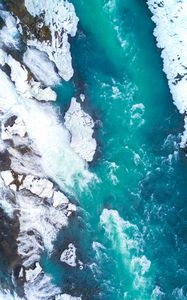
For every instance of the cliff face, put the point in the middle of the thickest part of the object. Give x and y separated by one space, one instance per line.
170 17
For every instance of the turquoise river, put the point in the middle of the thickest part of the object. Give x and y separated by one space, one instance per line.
131 229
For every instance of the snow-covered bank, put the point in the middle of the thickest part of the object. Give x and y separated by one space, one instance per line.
40 165
60 17
42 209
46 25
170 17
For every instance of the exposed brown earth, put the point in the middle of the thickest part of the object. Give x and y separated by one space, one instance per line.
28 22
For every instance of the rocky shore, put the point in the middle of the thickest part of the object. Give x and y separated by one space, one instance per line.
39 155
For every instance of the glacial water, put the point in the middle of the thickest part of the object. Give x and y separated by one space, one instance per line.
130 230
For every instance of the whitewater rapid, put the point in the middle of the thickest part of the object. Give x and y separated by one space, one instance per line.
127 241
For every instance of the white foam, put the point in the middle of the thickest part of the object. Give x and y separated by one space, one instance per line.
40 65
52 139
157 293
9 35
97 247
3 57
31 275
137 112
6 295
127 241
179 293
42 69
67 297
80 125
41 288
184 136
141 262
5 203
112 168
7 207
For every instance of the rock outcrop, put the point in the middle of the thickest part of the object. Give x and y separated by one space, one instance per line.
34 56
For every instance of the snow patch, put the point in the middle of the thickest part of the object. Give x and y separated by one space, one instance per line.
41 187
17 128
59 199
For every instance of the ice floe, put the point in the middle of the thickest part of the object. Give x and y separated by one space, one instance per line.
80 125
68 256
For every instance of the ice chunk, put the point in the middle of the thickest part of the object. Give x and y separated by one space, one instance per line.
80 125
68 256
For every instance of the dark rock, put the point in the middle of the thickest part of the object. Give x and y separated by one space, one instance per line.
9 229
2 23
10 121
4 161
28 22
6 69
